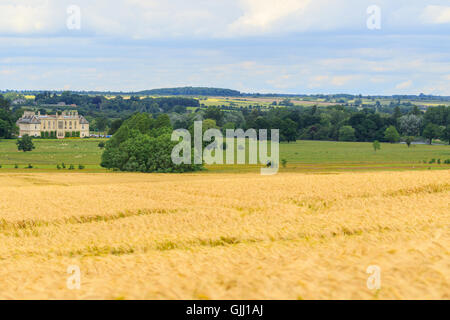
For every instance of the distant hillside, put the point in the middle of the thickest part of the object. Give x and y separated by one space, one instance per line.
192 91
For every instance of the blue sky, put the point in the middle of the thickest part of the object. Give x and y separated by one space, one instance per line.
285 46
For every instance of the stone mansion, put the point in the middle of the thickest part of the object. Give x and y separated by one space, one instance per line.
67 124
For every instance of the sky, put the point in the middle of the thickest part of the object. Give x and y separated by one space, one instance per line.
376 47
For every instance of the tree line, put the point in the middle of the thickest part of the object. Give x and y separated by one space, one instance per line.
334 123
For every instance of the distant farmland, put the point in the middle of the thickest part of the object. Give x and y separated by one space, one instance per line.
247 101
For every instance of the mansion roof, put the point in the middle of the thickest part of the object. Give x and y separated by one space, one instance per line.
32 118
29 119
83 120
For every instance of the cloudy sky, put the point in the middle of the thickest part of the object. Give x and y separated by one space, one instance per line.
286 46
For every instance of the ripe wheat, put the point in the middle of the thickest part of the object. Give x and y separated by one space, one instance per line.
225 236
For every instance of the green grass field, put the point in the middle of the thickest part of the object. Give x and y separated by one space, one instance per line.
318 156
49 153
330 152
301 156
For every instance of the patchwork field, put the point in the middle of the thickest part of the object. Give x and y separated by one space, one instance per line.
244 102
222 236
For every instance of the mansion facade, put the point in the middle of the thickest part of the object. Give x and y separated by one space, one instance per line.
67 124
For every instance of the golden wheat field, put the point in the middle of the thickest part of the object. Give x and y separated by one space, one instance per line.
225 236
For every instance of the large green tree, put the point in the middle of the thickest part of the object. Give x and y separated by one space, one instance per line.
7 125
431 131
101 123
410 124
347 133
446 134
143 144
4 103
391 134
25 144
115 125
288 131
216 114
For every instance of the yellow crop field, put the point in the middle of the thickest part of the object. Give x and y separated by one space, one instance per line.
225 236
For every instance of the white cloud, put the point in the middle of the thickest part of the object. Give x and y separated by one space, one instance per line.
318 81
378 79
28 17
261 15
289 45
149 19
342 80
404 85
436 14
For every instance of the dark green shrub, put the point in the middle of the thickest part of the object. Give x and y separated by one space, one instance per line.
143 144
25 144
30 166
81 167
71 167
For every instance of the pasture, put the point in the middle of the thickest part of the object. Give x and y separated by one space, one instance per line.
49 153
301 156
222 236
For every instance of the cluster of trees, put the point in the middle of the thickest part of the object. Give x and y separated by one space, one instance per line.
336 123
150 105
118 104
7 121
143 144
